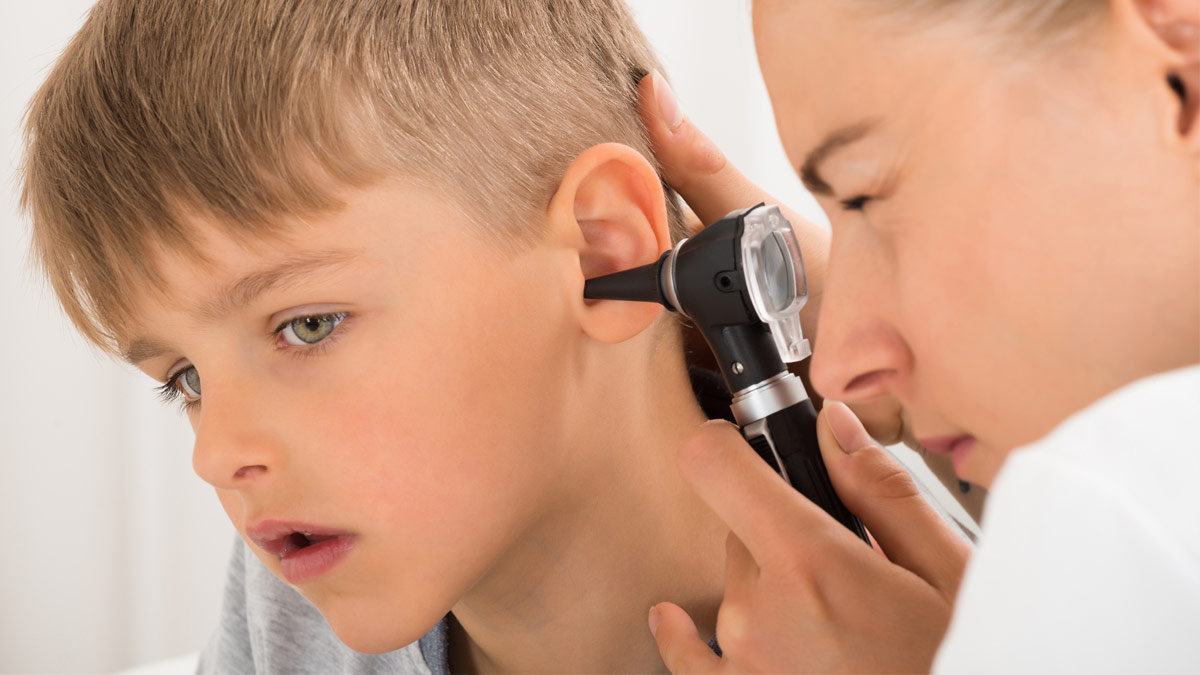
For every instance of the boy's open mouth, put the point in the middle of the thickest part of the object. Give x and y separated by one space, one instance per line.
282 539
298 540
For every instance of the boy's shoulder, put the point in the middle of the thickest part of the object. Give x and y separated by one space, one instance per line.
266 626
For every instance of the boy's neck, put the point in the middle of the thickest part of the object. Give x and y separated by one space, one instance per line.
573 593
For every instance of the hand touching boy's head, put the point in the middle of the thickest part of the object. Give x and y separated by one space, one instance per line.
351 237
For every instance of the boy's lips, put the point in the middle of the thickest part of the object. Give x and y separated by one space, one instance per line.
276 536
304 550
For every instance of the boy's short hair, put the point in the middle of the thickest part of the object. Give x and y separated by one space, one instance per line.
249 110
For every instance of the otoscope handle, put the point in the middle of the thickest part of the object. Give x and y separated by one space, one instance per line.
791 436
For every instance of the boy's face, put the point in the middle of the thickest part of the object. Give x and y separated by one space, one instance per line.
416 410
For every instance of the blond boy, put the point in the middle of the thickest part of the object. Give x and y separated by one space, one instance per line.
350 238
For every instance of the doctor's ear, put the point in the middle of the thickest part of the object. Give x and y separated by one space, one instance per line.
1176 26
610 206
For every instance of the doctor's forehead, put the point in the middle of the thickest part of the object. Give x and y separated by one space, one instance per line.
837 70
812 52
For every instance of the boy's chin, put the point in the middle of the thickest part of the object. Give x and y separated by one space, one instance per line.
374 630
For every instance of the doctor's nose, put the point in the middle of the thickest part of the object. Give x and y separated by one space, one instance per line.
234 447
858 355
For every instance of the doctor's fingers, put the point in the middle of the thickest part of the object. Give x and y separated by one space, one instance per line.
741 572
679 643
879 490
694 165
783 531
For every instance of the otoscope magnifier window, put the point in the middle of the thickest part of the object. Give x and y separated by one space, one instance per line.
774 271
777 274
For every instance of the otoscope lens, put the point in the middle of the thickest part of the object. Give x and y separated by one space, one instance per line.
776 271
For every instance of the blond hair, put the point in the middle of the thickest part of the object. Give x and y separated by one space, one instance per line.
249 110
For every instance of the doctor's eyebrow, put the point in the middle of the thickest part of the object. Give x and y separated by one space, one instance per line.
241 292
809 171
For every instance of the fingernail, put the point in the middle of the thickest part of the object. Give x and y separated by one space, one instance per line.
668 107
845 426
654 620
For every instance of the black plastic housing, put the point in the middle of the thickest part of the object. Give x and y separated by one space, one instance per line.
711 290
794 432
710 285
639 284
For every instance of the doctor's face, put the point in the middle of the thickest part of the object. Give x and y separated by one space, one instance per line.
1014 235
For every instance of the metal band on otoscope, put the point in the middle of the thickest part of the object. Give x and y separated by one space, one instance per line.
767 398
666 279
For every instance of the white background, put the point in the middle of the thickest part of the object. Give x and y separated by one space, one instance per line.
113 551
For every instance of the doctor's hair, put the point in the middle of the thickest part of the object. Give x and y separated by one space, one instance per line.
246 112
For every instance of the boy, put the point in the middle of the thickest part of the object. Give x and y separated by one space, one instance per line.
475 469
351 238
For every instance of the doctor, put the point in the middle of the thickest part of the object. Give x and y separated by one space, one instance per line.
1014 192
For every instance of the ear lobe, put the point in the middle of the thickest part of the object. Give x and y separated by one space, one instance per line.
1176 26
613 197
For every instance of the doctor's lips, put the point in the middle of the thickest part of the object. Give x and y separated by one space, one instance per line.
958 447
304 550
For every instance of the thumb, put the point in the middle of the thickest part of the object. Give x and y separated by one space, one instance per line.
679 644
712 186
691 163
879 490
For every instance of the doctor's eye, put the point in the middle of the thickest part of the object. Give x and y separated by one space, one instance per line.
307 330
857 203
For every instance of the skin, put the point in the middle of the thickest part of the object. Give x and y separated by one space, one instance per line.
451 421
991 297
1032 242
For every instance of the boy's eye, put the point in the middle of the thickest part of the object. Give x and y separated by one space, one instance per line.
184 382
307 330
189 381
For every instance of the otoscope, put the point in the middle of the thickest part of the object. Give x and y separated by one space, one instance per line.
741 281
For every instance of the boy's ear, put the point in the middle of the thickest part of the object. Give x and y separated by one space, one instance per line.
1174 29
610 203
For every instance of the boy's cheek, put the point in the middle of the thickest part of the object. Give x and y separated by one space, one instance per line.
233 509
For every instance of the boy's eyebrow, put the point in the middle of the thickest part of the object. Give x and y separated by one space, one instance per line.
809 171
242 292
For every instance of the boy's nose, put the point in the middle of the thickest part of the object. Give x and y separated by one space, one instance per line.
233 445
859 354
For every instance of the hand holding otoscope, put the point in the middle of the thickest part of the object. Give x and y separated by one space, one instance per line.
741 280
805 596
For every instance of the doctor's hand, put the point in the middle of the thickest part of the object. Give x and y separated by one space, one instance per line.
802 593
712 186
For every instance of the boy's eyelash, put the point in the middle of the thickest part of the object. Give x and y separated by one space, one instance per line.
169 393
857 203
